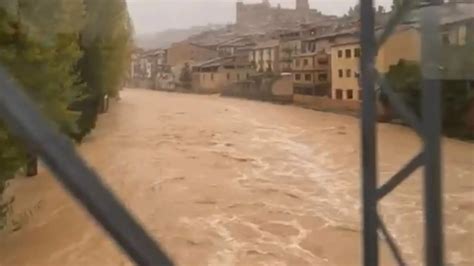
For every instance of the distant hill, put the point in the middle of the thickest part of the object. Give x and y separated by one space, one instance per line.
165 38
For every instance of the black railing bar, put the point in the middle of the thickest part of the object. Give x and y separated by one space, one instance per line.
368 135
58 153
400 107
391 242
401 176
431 110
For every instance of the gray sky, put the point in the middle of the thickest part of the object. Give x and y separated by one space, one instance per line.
158 15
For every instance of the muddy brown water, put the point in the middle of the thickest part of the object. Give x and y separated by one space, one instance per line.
222 181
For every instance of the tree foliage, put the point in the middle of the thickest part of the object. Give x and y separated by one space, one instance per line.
405 78
67 55
39 47
106 43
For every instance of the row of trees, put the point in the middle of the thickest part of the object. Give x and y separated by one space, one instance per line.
68 55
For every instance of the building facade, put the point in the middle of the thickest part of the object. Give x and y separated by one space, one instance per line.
290 46
312 74
213 75
265 56
457 25
186 52
345 71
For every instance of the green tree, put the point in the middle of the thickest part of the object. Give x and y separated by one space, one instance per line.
405 78
39 47
106 43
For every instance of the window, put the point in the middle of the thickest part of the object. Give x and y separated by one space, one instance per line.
297 63
297 76
248 76
357 52
349 94
308 77
323 77
305 62
339 53
462 34
341 73
212 76
348 73
228 76
323 61
339 94
445 38
348 53
356 75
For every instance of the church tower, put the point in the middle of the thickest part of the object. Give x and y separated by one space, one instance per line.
302 5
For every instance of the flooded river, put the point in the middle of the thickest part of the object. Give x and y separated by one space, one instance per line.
226 182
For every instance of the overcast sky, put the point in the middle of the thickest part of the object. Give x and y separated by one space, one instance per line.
158 15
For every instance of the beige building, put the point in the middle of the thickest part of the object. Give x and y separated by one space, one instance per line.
186 52
213 75
345 71
405 43
265 56
311 74
345 59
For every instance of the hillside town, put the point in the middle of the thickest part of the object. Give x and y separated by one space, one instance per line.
306 57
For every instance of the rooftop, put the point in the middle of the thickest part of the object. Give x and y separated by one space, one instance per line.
267 44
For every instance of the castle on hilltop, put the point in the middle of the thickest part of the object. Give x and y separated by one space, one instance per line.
263 14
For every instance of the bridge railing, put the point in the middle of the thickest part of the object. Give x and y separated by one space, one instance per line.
429 130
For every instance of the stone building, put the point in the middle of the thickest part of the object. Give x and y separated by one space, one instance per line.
263 14
213 75
145 65
187 52
311 74
265 56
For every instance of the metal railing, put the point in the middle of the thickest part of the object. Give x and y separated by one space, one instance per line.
429 130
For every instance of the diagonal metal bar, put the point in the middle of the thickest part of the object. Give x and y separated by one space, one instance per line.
391 242
401 176
397 17
24 119
405 113
369 140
